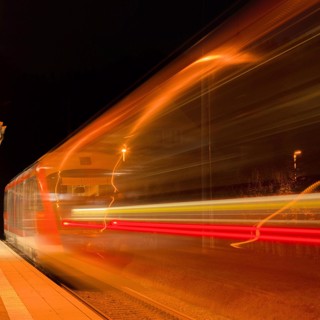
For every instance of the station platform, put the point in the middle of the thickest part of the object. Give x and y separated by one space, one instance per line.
27 294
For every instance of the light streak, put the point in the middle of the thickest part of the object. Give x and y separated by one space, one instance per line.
263 221
248 205
208 58
307 236
280 234
77 224
115 189
232 217
187 77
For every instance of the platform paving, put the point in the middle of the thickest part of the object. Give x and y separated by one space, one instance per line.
27 294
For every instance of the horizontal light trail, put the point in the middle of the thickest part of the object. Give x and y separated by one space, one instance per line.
278 234
217 221
79 224
293 235
298 201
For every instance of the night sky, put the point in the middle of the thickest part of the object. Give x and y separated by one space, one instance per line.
64 62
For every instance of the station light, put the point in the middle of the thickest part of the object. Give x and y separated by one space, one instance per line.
124 150
295 154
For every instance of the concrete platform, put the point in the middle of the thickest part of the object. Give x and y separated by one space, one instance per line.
27 294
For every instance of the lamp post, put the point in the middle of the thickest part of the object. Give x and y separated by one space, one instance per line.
295 154
124 150
2 130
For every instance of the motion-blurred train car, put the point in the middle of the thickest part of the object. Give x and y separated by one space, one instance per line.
219 149
235 118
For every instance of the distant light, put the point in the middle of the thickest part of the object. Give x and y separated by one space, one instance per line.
297 152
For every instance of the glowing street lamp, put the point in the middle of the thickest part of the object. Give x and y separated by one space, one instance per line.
124 150
295 154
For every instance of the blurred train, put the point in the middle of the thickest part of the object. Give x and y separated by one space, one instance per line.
218 149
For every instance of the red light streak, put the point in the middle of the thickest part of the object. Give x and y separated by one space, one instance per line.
279 234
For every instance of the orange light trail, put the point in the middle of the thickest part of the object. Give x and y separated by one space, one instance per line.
258 228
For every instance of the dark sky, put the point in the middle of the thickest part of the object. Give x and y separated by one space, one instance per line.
62 62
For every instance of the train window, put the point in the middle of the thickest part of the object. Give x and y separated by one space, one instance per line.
31 204
10 207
